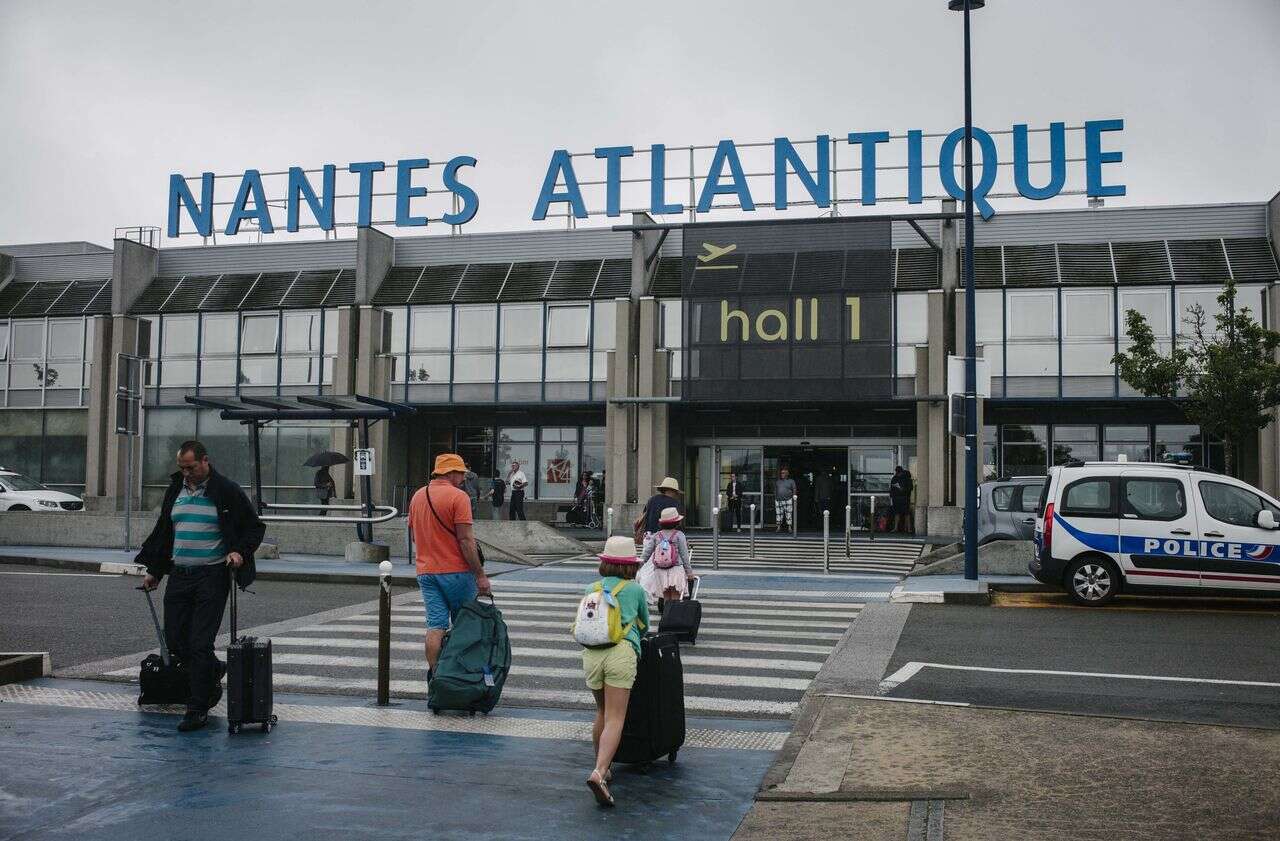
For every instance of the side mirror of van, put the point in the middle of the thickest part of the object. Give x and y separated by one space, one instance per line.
1266 519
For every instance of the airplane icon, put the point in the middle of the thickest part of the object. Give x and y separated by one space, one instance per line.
715 252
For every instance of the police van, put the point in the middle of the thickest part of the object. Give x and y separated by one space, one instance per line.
1103 528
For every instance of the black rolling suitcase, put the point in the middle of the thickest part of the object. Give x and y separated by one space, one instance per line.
162 678
249 694
682 618
654 726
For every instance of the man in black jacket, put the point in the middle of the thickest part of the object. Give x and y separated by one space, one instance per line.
206 526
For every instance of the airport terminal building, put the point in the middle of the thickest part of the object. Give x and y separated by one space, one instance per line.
613 351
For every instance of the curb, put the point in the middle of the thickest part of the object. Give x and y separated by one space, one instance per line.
980 597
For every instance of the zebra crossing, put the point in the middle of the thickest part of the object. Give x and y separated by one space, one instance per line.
754 658
798 554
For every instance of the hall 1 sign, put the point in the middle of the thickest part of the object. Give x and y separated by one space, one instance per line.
787 312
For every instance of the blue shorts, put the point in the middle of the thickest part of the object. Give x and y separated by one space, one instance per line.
443 594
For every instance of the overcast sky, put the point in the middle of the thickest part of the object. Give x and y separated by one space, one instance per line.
102 101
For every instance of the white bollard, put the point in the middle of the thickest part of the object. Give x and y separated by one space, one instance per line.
826 540
848 528
752 553
715 538
608 522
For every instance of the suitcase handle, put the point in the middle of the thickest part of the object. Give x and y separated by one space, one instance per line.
232 574
155 620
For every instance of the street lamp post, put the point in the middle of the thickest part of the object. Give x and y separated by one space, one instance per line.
970 318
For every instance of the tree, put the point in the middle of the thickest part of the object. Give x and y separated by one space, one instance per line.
1226 379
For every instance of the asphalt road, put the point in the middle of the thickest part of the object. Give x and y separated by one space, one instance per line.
1233 646
83 617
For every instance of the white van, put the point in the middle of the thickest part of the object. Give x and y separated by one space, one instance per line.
1106 527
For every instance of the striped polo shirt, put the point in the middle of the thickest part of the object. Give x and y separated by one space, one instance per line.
197 540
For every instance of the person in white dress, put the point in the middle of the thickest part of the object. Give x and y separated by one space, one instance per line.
667 573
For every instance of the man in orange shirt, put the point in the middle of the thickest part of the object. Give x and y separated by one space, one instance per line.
449 570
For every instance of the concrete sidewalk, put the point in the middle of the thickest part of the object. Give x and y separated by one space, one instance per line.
956 589
884 769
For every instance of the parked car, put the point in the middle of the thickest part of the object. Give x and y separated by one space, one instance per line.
1109 527
1007 508
22 493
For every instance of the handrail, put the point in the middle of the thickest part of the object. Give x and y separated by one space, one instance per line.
316 518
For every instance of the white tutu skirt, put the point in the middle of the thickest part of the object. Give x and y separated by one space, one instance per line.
656 581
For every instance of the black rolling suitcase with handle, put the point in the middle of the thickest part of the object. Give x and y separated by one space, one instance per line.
683 618
249 693
654 726
162 678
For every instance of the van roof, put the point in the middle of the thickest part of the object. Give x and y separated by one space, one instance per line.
1160 465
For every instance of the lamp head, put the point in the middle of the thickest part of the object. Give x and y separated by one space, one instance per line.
958 5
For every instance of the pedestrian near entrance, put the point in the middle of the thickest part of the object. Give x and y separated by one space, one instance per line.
668 495
206 525
733 494
667 574
610 668
784 500
900 487
450 572
518 482
824 489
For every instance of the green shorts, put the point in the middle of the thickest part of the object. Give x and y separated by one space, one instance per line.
615 666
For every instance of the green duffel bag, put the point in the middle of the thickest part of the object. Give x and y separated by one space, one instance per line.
474 661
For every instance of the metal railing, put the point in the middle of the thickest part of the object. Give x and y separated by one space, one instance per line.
388 512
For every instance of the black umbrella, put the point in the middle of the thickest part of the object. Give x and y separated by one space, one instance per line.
328 459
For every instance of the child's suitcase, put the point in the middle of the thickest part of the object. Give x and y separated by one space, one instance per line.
654 725
682 618
249 692
163 679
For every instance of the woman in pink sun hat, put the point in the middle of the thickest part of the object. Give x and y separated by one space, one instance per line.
666 574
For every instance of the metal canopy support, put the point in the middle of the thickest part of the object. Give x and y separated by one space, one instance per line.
924 236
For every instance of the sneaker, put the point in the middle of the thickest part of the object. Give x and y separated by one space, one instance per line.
192 721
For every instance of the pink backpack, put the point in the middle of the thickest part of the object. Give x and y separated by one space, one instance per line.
664 553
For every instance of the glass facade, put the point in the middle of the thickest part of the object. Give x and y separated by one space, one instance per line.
1024 448
266 353
481 353
49 446
552 457
45 362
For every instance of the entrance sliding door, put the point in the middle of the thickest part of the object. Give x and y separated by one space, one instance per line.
747 463
870 469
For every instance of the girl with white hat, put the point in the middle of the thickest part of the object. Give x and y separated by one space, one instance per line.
610 670
666 574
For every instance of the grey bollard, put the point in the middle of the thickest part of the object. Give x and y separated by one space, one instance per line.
384 633
826 540
871 526
608 522
752 552
715 538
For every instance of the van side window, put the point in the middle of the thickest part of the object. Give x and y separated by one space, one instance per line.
1002 497
1090 498
1229 504
1031 498
1153 499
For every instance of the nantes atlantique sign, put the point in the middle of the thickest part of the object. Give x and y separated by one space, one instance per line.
724 177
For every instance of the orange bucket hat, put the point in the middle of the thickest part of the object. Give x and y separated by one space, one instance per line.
449 463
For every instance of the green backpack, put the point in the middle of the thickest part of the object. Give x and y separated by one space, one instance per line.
474 661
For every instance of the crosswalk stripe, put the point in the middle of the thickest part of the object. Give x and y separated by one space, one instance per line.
710 599
563 627
709 591
705 642
418 688
690 677
547 653
709 609
707 621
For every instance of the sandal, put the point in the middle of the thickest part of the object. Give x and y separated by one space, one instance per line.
600 789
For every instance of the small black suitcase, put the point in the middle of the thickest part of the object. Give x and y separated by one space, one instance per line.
162 678
682 618
654 726
249 692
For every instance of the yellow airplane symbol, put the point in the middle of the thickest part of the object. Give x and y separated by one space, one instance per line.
715 252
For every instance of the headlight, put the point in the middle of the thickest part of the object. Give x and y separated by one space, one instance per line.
47 503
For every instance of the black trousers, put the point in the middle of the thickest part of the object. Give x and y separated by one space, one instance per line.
517 505
194 601
735 513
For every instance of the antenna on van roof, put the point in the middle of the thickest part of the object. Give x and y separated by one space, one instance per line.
1121 457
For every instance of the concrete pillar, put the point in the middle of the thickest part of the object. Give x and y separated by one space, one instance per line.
344 382
619 418
939 441
924 450
372 372
124 339
958 443
375 254
101 404
1269 435
950 247
652 463
1273 227
133 267
643 245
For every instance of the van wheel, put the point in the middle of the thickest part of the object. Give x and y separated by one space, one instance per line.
19 508
1092 581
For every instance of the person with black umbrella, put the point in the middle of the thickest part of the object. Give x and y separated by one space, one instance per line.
325 487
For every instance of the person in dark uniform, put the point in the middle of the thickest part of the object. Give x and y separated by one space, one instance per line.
900 487
734 492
